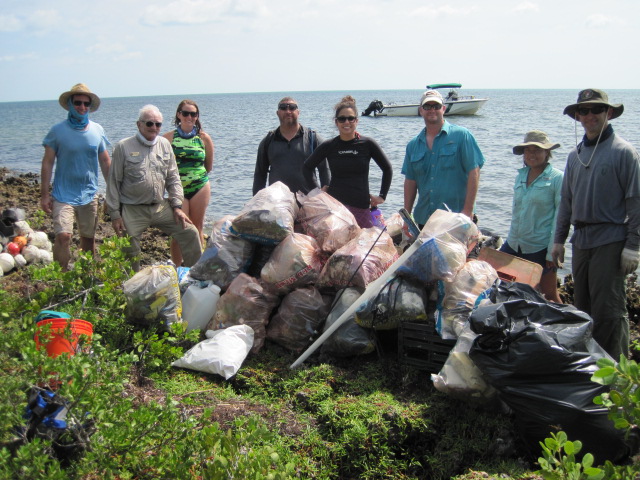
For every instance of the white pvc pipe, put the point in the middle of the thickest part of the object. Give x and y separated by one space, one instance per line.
372 289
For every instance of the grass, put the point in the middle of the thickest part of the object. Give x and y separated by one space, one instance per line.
361 418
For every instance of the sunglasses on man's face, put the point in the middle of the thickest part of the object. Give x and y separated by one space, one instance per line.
151 124
349 119
596 110
431 106
77 103
288 106
184 113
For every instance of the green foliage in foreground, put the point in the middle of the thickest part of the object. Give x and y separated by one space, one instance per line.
559 461
368 420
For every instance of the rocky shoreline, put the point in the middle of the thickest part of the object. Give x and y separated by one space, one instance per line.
23 191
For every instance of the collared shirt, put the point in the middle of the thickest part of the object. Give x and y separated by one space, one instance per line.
441 172
534 212
139 175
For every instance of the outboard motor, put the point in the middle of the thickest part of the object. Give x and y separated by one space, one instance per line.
375 106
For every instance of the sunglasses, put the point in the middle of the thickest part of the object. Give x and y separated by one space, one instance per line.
151 124
597 110
431 106
186 114
288 106
349 119
77 103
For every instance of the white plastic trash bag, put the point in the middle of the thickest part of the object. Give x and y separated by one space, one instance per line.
222 353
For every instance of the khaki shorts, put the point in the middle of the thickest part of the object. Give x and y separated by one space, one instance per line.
84 215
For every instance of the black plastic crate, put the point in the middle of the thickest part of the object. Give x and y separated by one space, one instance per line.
420 346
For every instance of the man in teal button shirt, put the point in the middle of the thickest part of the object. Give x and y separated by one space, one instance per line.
441 165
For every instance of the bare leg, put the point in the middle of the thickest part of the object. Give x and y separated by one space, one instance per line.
61 250
88 244
198 208
195 208
176 253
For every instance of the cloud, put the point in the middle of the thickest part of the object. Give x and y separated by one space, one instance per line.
37 22
189 12
445 10
526 7
22 56
599 20
116 52
10 23
105 48
127 56
44 20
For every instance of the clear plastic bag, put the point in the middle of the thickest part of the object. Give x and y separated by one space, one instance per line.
294 263
459 376
327 220
460 296
268 217
245 302
359 258
153 296
298 319
438 258
225 257
400 299
350 339
457 225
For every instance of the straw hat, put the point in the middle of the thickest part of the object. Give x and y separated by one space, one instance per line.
80 89
537 138
593 96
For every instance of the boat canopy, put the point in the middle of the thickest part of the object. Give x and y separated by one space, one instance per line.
444 85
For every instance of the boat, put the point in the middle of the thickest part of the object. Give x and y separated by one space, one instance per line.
456 104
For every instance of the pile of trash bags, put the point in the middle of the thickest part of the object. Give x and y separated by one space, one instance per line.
288 263
288 267
21 245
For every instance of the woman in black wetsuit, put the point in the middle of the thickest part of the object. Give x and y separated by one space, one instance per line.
349 155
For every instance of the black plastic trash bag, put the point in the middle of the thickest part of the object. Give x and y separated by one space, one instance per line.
540 357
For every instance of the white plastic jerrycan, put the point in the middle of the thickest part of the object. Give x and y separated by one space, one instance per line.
199 305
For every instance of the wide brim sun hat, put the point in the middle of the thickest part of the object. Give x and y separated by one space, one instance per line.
537 138
80 89
593 96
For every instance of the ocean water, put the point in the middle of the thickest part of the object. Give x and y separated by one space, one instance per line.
237 123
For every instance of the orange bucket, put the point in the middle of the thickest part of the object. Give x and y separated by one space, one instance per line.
61 335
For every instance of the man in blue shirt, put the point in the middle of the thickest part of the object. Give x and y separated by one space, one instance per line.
442 164
77 146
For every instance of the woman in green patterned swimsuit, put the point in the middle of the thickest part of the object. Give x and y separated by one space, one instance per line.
194 155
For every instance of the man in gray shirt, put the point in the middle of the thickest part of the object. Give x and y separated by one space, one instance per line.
281 154
601 199
143 168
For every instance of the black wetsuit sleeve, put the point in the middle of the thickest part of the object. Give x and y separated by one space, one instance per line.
262 166
385 165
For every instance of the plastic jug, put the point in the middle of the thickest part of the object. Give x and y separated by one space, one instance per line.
199 305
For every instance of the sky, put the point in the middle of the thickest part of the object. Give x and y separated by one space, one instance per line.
170 47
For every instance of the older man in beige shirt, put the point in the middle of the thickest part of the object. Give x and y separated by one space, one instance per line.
142 169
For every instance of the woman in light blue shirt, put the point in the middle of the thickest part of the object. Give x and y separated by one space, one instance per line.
536 197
